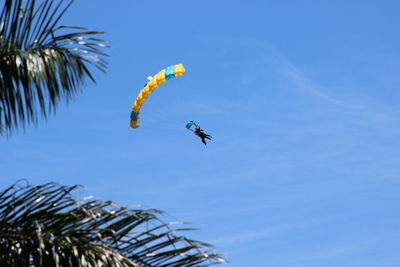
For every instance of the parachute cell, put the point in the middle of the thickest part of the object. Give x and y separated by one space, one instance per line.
156 80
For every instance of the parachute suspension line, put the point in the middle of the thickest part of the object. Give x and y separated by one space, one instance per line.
155 81
162 117
167 115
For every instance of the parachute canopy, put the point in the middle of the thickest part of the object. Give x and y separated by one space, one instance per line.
154 82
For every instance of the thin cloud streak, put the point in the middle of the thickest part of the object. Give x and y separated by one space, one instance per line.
303 83
252 235
328 253
283 66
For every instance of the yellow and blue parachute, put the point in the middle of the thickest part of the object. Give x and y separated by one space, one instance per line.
155 81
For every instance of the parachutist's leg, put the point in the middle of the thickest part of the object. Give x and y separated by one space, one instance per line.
204 141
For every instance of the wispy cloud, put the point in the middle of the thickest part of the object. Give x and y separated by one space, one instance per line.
258 234
302 82
264 57
264 63
335 251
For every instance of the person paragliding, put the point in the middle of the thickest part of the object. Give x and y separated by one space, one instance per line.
198 131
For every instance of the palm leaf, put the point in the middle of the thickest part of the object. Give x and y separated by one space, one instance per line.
42 63
45 226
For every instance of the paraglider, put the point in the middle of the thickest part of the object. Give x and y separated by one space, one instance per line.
198 131
154 82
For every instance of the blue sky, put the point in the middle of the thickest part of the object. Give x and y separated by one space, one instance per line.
302 98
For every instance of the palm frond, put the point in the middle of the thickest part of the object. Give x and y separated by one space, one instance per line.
45 226
42 63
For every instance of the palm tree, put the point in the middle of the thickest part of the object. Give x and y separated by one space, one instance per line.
45 226
41 62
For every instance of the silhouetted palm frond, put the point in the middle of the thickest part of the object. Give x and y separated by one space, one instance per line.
45 226
41 62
